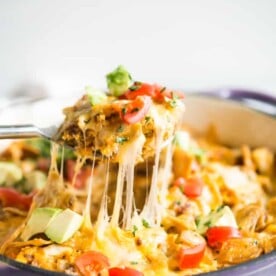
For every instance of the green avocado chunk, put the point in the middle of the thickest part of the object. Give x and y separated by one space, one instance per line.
10 173
38 222
95 96
118 81
64 226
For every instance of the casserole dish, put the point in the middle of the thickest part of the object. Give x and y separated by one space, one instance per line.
235 124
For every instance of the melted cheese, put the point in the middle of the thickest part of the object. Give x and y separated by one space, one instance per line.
155 203
126 174
87 212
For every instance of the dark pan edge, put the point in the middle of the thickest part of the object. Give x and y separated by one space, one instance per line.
265 264
27 267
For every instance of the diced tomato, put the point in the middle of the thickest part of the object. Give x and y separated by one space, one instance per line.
126 271
9 197
81 177
140 89
91 261
191 257
162 92
136 110
156 92
218 234
43 164
191 187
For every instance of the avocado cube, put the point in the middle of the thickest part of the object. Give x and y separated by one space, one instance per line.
38 222
64 226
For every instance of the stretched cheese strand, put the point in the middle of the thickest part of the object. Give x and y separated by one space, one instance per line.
134 152
129 154
150 210
165 174
119 194
87 211
103 217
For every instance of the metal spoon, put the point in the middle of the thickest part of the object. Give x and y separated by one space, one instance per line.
26 131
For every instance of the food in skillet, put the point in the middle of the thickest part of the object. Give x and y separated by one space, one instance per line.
131 205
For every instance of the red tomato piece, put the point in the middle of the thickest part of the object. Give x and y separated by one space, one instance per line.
9 197
126 271
156 92
139 89
136 110
218 234
162 92
191 257
43 164
91 261
81 177
192 187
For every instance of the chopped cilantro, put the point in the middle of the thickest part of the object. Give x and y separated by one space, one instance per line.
198 153
174 100
147 118
134 262
220 208
121 139
87 121
208 223
163 89
145 223
255 242
120 128
135 86
136 109
124 111
135 229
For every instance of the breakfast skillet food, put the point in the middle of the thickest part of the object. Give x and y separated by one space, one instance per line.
140 195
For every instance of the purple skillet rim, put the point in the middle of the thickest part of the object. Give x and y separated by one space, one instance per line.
240 94
248 98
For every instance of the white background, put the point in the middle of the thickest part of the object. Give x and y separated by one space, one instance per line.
63 45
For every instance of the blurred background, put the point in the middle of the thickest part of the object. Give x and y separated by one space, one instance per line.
57 47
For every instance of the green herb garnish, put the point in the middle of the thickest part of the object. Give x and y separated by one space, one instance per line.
147 119
163 89
208 223
134 110
174 100
121 139
199 153
145 223
135 229
135 86
120 128
134 262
